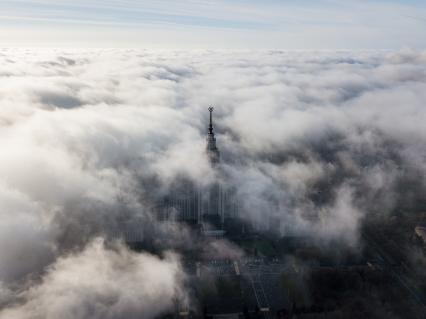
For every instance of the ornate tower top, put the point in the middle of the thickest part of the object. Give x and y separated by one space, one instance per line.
212 151
211 120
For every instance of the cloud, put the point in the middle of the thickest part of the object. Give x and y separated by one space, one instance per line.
313 143
102 282
215 24
25 239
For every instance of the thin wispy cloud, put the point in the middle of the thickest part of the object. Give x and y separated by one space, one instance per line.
254 24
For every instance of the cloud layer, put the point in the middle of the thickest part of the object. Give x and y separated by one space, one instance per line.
313 142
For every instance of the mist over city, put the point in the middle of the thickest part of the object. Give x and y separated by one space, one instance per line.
237 180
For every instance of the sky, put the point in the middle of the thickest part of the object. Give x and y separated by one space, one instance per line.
215 24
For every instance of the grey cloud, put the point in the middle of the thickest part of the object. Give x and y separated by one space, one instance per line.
25 241
59 100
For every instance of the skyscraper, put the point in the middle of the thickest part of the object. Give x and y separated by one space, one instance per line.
214 205
207 206
212 151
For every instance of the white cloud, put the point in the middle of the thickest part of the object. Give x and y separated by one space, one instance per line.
317 140
103 283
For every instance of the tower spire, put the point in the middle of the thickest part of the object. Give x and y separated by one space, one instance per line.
211 120
212 150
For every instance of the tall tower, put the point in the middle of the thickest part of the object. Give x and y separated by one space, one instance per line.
212 151
214 209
